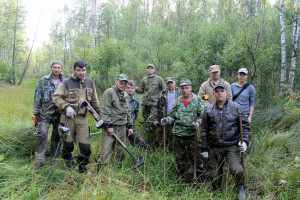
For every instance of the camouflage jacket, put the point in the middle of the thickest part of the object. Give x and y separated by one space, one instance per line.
115 107
73 92
151 87
43 104
161 103
135 106
220 127
183 116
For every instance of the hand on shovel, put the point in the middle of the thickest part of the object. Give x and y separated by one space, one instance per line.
110 131
130 132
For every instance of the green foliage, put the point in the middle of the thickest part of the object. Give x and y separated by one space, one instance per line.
6 71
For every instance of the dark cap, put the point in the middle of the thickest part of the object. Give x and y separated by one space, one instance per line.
220 85
170 79
151 65
122 77
185 82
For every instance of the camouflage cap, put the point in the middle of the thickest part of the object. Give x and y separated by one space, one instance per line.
170 79
214 68
243 70
122 77
185 82
220 85
150 65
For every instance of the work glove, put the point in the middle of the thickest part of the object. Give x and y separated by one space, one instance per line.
70 112
164 121
204 154
243 146
195 125
36 119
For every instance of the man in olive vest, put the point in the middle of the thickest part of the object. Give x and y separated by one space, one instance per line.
68 98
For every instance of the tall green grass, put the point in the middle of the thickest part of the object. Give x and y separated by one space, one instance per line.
272 156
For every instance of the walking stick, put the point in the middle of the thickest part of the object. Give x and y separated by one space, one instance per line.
164 138
242 140
195 150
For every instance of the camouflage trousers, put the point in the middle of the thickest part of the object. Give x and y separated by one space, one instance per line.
184 157
43 126
146 111
136 139
215 163
109 143
79 134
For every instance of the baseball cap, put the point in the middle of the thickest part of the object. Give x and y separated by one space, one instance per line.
220 85
122 77
214 68
243 70
170 79
151 65
185 82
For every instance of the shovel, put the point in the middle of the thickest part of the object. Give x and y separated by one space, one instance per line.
139 161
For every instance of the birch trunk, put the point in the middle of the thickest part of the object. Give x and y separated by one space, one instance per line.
204 10
296 31
256 8
179 15
14 47
216 9
137 20
147 20
94 19
283 50
116 26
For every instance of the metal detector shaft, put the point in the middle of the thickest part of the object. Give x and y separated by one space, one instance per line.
242 140
54 158
164 127
195 150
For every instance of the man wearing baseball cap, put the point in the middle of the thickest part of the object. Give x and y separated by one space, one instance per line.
151 87
186 115
163 107
220 139
116 113
206 89
244 93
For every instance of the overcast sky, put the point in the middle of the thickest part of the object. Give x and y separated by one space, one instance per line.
42 12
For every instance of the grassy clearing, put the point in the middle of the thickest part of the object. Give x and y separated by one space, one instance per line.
273 156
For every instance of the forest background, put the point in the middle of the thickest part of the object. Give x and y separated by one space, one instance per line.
182 38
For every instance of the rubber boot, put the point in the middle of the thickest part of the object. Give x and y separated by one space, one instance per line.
70 164
83 169
38 165
241 195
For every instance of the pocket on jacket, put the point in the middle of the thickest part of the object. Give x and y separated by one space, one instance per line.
89 94
47 96
73 96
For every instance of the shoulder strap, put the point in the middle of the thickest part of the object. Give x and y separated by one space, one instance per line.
244 87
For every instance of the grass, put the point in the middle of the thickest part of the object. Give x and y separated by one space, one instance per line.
272 156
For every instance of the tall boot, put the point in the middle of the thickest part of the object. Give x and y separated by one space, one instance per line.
70 164
82 163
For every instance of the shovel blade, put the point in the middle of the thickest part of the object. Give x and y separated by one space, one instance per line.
139 161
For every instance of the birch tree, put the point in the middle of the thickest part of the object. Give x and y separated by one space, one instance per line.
283 50
296 31
14 47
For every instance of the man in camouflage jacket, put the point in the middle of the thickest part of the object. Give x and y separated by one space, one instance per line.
151 87
163 106
68 98
116 114
220 138
182 115
46 113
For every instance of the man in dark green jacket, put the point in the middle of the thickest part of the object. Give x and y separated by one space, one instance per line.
151 87
46 113
116 114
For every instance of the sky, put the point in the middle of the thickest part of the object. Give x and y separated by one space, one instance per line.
43 12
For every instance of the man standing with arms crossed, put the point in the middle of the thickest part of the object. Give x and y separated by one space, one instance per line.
116 114
220 139
151 87
68 98
206 89
46 113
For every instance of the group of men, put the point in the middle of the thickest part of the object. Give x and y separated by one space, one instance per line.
179 110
